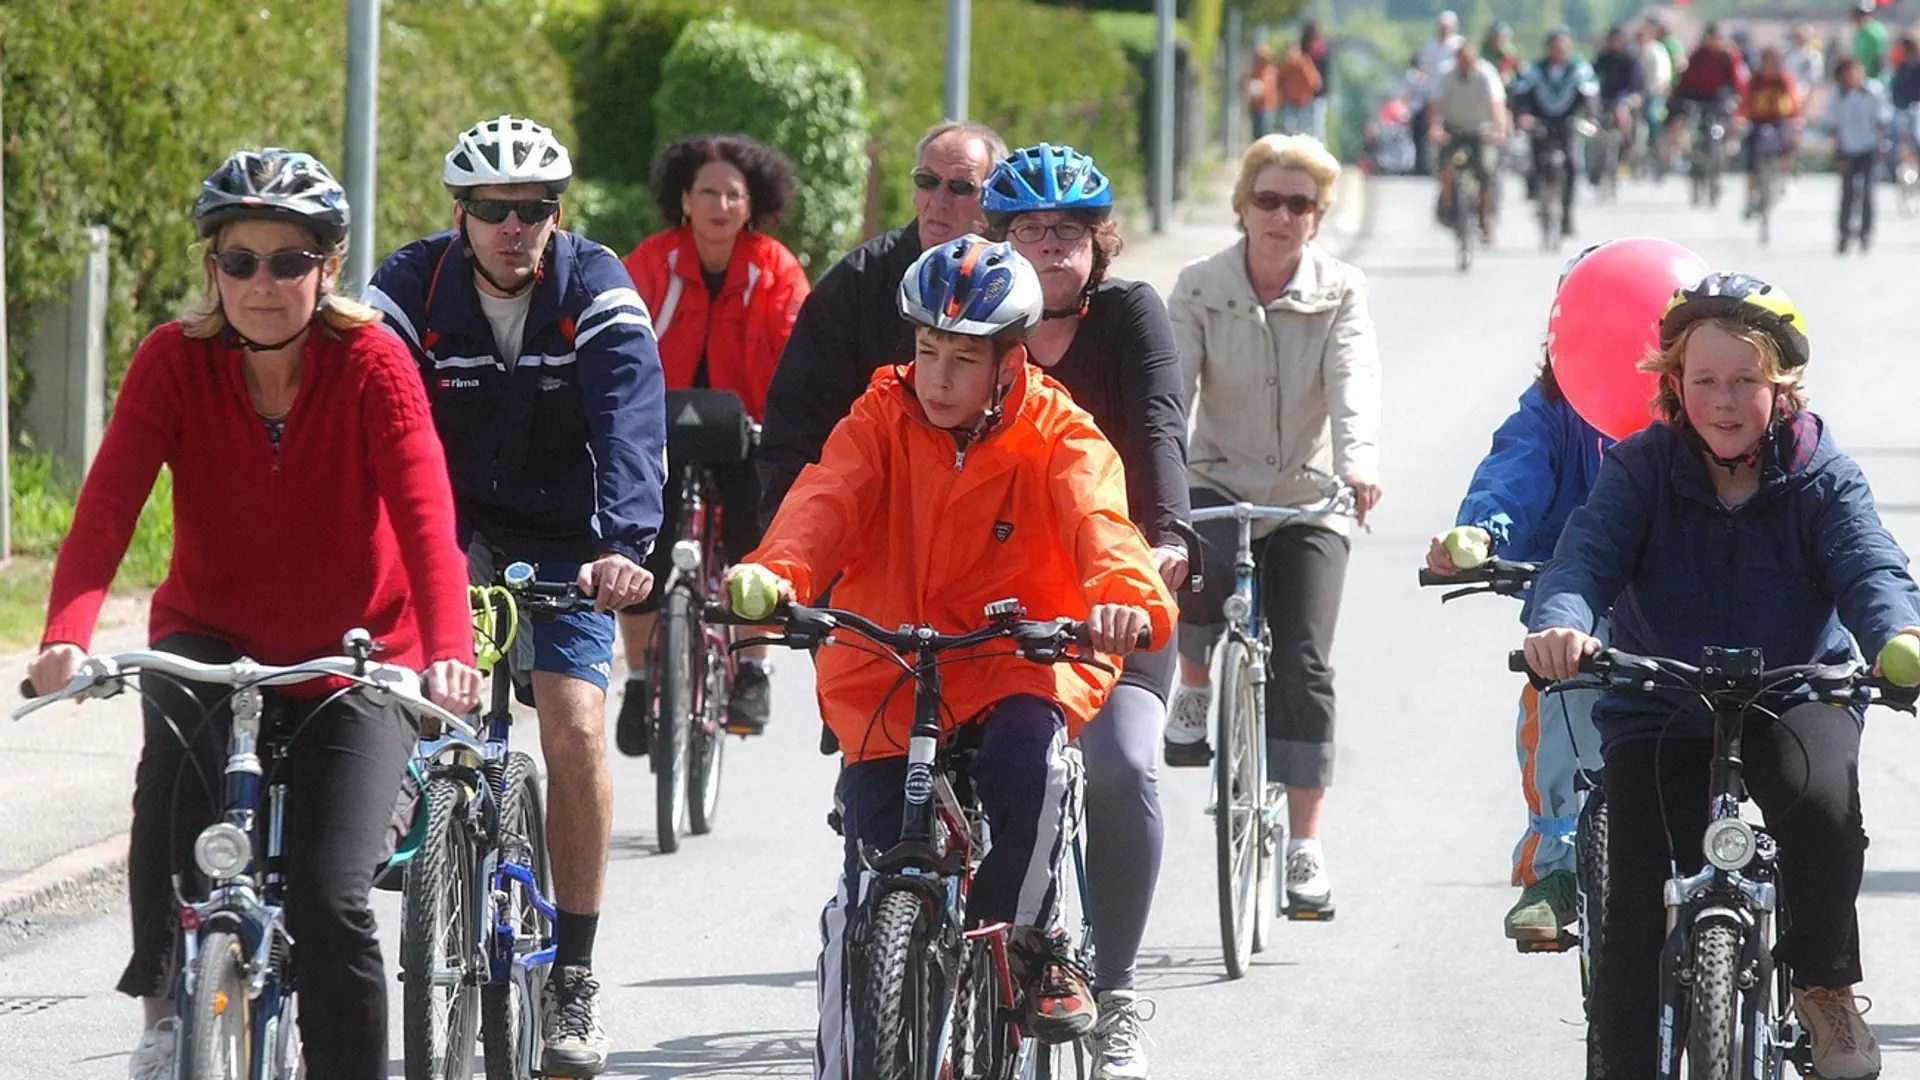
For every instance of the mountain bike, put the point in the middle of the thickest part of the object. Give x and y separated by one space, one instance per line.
1707 157
1769 148
476 936
1726 1005
1249 814
235 997
1463 212
934 995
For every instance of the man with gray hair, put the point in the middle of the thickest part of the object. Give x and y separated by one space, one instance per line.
849 327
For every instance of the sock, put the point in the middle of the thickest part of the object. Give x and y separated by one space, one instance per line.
573 939
1310 844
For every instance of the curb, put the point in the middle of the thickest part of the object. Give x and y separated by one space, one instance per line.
63 876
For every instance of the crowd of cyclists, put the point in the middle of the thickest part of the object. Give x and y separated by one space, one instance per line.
968 407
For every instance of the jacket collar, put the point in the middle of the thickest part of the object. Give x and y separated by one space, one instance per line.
1223 284
1798 450
456 296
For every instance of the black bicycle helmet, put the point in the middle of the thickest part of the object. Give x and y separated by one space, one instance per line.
273 185
1730 294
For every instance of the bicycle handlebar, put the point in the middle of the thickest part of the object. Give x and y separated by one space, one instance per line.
1849 683
1042 641
1497 576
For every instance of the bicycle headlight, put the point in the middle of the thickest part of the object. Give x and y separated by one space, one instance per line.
222 851
1730 843
686 556
1235 609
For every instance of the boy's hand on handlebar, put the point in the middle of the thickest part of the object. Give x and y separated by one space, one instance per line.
1556 654
55 667
1113 628
614 581
453 686
747 590
1438 560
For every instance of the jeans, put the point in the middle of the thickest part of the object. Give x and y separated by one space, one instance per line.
1856 189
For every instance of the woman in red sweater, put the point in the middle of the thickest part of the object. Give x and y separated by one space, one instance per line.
724 295
310 497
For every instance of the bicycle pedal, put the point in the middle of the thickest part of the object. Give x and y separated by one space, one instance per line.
1564 943
1305 913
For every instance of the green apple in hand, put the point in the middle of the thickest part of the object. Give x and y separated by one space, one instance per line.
1467 546
1900 660
753 591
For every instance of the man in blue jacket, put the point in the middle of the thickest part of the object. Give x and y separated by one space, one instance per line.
539 360
1543 464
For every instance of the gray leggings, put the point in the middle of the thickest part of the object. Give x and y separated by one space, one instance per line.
1125 831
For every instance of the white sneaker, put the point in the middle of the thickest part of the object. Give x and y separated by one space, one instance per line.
1186 732
1843 1044
1307 882
153 1058
1117 1036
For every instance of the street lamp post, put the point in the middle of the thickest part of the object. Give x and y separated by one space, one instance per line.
363 86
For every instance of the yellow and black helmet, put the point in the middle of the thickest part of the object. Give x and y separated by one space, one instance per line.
1734 295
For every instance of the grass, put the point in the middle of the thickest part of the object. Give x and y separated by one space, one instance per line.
42 505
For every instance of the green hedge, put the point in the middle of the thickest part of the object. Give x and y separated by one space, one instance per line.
115 113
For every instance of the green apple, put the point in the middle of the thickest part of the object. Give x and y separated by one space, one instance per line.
753 592
1900 660
1467 546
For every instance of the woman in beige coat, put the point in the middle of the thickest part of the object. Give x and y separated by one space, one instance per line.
1283 383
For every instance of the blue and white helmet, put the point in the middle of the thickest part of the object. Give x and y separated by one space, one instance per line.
1045 177
972 286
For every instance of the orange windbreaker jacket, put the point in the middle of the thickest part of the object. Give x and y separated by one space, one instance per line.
1035 511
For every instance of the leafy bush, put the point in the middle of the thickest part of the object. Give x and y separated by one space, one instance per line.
789 91
615 54
43 497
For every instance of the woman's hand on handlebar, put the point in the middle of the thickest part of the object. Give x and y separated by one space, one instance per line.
1113 628
1366 493
55 667
453 685
1556 654
1170 562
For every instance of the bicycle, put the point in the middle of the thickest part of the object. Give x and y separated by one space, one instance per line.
1463 212
1605 151
1501 577
1726 1005
1250 815
235 997
476 935
1707 154
1769 147
937 994
692 668
1553 166
1906 172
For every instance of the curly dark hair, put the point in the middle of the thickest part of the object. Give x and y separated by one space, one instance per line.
770 183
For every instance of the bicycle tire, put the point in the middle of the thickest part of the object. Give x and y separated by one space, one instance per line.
437 943
1462 228
890 985
707 750
679 631
1239 798
1713 1020
220 1021
1590 872
509 1009
1072 1060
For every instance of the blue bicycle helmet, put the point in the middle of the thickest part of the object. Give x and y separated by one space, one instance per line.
1045 177
972 286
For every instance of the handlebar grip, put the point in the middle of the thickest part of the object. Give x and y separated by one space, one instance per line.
27 691
1517 662
1142 642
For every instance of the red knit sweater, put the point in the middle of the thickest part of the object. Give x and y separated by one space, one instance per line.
349 524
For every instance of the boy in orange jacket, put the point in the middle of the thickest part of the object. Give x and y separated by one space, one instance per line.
965 478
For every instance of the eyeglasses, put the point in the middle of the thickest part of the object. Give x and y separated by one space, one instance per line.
1297 205
495 211
1032 232
290 265
927 181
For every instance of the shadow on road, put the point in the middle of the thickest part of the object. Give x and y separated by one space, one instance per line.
1890 881
1901 1038
734 1053
778 980
1183 967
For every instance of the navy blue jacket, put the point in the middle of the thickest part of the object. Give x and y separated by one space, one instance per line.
1791 571
562 458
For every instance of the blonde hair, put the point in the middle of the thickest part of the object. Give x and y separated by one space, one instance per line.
1670 364
1302 152
338 314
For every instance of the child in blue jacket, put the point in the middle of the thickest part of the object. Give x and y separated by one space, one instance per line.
1737 521
1541 467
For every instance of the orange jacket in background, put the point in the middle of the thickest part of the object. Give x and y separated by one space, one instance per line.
1035 511
741 331
1299 79
1770 99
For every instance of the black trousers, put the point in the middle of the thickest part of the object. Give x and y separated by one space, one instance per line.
344 772
1548 139
1803 771
1302 574
1856 190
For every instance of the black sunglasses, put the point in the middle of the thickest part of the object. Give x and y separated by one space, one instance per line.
1297 205
495 211
927 181
290 265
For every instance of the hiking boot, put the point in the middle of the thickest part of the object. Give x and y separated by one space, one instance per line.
750 700
1117 1053
1544 908
1060 1004
1309 891
1185 736
576 1042
1843 1044
153 1058
633 730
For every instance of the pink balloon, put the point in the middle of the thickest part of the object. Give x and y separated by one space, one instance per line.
1606 319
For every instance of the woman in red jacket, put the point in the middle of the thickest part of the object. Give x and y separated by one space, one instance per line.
724 295
310 498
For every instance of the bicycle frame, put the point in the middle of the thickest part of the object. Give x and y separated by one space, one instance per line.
699 569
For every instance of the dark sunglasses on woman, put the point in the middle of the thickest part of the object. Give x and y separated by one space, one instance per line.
1297 205
290 265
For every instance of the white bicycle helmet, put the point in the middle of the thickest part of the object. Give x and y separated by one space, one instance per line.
974 287
506 150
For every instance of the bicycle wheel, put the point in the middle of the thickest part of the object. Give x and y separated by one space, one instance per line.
1239 797
440 998
679 635
1590 861
1763 188
1713 1025
708 741
219 1014
509 1009
1462 224
892 986
1071 1060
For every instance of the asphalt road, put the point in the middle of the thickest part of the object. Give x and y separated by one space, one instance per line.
707 955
